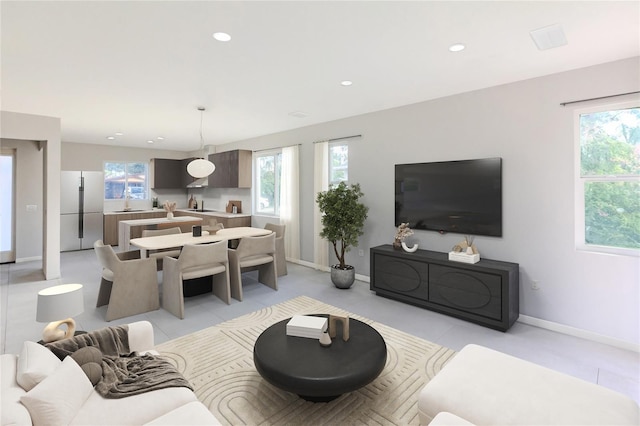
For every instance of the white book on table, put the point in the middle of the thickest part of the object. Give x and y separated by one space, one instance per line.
306 326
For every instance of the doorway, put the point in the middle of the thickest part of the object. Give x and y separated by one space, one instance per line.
7 205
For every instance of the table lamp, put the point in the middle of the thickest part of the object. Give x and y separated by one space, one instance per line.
58 302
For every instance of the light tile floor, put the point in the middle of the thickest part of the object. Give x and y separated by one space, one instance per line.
608 366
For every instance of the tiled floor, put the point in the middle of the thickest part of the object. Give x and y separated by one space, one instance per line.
611 367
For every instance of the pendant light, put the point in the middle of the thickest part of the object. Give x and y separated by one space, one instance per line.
200 167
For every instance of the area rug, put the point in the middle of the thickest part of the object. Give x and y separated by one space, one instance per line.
218 361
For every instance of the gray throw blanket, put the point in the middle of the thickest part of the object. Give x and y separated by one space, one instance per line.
123 373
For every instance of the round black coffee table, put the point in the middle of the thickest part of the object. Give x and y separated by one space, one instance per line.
316 373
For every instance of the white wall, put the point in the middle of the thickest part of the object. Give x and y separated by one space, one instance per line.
28 191
47 129
524 124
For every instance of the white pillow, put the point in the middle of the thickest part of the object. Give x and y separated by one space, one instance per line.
59 397
35 363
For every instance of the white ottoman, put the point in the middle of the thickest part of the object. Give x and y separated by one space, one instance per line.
485 387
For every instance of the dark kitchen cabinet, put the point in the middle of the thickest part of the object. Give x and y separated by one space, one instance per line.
233 169
167 173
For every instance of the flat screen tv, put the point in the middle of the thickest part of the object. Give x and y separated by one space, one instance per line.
463 197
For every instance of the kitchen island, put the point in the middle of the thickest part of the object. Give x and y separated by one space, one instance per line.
125 226
112 219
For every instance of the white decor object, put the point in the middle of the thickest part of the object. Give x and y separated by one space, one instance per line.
307 326
200 167
409 249
169 215
325 339
464 257
55 304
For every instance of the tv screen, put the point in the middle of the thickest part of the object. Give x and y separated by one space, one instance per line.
463 197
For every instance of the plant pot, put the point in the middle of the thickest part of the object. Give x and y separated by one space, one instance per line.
169 215
343 278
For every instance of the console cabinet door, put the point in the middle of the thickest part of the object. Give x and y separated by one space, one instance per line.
402 276
469 291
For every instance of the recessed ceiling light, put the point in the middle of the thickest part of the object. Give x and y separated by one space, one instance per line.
298 114
111 137
456 47
222 36
346 82
149 141
160 138
119 133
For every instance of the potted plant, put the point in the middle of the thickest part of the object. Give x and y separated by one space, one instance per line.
343 217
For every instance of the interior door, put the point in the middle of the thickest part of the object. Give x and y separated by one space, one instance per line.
7 206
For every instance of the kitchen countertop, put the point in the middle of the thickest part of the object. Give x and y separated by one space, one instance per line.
215 213
206 213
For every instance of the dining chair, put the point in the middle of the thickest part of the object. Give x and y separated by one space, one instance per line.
160 254
253 253
281 260
195 261
129 284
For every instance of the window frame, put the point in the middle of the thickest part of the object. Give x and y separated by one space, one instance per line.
582 181
126 180
277 154
332 169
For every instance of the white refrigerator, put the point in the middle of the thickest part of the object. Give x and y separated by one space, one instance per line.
81 209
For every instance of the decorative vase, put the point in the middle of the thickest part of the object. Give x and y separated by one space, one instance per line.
325 339
409 249
469 250
397 244
169 215
342 278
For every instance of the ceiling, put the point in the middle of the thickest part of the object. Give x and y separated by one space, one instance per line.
143 67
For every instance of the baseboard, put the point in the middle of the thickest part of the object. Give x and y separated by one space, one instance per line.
359 277
525 319
28 259
578 332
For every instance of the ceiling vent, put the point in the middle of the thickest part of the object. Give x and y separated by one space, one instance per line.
298 114
549 37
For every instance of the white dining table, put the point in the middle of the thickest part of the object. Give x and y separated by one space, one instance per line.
178 240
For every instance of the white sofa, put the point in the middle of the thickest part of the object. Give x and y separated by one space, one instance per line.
485 387
37 389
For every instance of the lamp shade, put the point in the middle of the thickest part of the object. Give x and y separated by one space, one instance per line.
200 168
59 302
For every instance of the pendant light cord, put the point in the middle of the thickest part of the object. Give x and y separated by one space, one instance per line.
201 137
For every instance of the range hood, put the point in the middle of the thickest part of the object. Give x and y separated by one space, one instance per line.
199 183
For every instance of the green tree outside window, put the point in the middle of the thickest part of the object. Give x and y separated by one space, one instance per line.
610 173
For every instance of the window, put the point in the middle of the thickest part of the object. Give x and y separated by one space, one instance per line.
338 163
608 185
125 179
267 185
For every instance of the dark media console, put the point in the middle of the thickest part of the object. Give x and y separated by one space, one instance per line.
486 293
